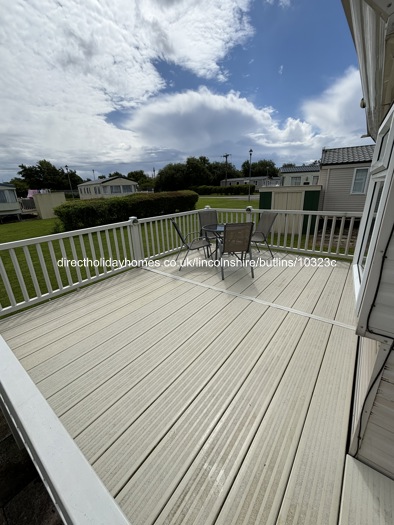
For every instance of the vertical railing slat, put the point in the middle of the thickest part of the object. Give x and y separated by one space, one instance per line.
93 250
7 284
39 264
349 236
19 275
32 271
340 235
44 269
74 252
315 233
102 254
333 224
67 269
84 255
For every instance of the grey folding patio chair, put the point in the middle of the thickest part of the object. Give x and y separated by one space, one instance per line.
195 243
206 218
263 229
237 241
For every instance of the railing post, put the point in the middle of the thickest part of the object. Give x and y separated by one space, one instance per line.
249 210
136 239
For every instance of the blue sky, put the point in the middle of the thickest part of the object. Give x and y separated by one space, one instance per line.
132 84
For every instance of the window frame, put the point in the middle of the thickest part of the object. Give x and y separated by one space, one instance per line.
375 228
365 185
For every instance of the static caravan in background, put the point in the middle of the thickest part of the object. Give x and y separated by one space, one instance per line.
106 188
9 204
344 177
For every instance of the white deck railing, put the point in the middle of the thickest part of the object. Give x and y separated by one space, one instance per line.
34 270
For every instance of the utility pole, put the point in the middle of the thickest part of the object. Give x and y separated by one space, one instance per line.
226 155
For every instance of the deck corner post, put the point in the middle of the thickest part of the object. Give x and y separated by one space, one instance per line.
136 239
249 211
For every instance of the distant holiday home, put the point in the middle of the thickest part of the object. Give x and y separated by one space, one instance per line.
344 177
258 182
338 183
300 175
105 188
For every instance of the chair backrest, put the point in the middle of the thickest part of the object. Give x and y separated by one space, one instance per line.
237 236
178 231
265 223
207 217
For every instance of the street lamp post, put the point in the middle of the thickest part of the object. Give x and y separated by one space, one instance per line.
69 181
250 171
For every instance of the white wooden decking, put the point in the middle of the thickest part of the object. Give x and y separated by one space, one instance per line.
204 401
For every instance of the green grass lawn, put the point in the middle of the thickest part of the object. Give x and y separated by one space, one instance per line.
239 203
81 247
29 228
26 229
93 247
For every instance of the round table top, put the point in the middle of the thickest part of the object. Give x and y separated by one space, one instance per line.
214 228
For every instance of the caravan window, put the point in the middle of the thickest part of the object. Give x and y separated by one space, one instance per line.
360 178
7 196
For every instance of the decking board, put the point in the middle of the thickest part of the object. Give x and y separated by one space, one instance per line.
368 496
203 491
66 346
100 396
180 392
195 399
314 489
114 352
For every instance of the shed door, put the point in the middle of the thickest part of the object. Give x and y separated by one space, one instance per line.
288 201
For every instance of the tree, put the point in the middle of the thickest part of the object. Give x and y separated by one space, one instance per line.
261 168
45 175
197 172
115 174
220 171
138 176
21 186
171 178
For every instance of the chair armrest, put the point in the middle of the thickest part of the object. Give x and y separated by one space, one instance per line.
199 236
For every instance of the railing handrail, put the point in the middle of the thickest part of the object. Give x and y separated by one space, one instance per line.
37 269
61 235
93 229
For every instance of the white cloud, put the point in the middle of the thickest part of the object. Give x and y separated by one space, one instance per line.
68 64
281 3
196 119
200 122
336 113
69 68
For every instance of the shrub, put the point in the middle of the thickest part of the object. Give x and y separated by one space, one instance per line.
97 212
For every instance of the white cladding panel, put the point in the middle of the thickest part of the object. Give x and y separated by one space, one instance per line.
381 318
377 446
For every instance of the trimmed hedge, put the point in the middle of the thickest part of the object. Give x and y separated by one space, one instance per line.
97 212
224 190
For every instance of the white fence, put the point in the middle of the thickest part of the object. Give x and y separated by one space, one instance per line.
34 270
